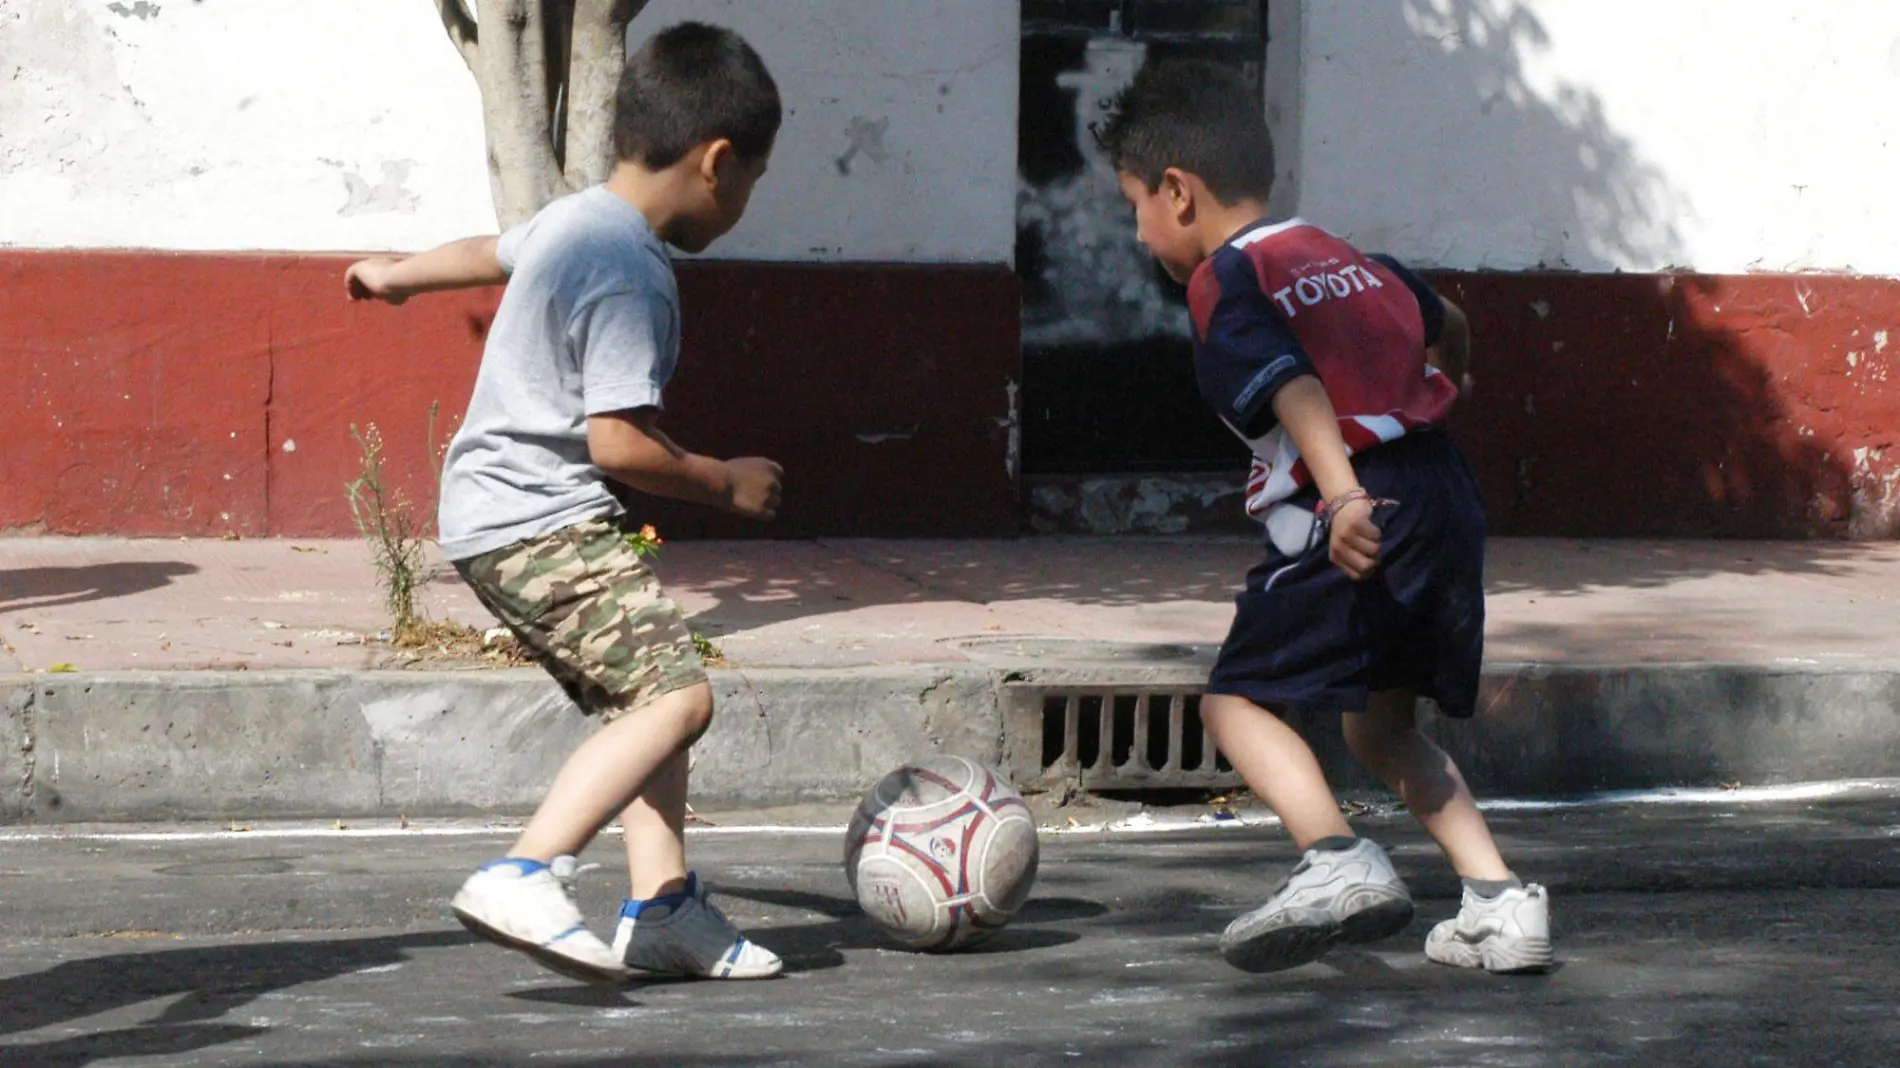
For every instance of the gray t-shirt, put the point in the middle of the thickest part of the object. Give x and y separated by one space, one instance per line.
589 324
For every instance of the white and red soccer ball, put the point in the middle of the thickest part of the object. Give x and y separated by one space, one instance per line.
941 853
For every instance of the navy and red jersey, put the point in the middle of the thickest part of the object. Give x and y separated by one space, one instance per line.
1285 299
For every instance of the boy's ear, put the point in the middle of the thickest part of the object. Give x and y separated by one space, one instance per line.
1178 190
718 152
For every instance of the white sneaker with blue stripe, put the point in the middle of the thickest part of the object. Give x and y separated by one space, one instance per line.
684 935
529 906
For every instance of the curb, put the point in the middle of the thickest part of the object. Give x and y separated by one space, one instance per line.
298 744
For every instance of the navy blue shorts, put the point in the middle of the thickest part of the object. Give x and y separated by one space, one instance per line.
1307 636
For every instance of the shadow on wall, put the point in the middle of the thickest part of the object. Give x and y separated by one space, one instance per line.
1608 404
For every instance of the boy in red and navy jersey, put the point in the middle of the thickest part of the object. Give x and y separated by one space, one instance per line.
1338 369
1285 299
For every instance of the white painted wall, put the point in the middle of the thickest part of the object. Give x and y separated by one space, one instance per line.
1720 135
1717 135
352 124
927 92
236 124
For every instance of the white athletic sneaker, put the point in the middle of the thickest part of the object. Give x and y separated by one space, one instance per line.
1349 895
530 907
686 935
1506 933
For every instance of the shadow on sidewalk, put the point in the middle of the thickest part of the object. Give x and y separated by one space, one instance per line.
207 982
758 584
28 588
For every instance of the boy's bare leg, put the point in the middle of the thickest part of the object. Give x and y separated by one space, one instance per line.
1344 889
1502 927
1386 738
663 930
522 901
610 769
656 832
1278 766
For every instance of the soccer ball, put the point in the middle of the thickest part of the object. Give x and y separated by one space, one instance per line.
941 853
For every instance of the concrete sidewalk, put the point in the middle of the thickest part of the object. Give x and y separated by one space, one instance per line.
150 604
233 678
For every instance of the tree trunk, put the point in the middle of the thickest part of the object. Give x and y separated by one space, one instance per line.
517 108
547 70
596 53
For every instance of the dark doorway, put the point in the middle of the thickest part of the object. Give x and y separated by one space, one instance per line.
1108 382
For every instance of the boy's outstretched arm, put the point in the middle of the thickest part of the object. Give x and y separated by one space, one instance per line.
472 261
1451 353
630 449
1303 408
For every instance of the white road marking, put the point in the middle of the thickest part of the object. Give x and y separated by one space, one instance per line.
1140 823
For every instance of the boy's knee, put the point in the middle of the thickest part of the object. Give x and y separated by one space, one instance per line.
1373 745
696 714
697 728
685 714
1387 728
1217 710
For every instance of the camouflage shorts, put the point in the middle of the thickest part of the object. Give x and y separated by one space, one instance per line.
584 604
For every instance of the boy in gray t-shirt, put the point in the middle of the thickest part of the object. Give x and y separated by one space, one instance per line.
567 402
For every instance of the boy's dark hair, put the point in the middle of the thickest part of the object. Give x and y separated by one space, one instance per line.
1200 116
690 84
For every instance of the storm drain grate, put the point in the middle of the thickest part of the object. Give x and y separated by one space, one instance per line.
1111 738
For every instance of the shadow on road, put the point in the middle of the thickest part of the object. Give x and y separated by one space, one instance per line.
577 997
151 1040
808 947
207 981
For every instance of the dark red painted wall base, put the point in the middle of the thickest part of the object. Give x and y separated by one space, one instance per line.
1762 406
153 393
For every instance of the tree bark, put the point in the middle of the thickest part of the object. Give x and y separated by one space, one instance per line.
517 108
461 27
597 52
547 70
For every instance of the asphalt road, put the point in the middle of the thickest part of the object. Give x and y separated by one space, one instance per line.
1718 934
